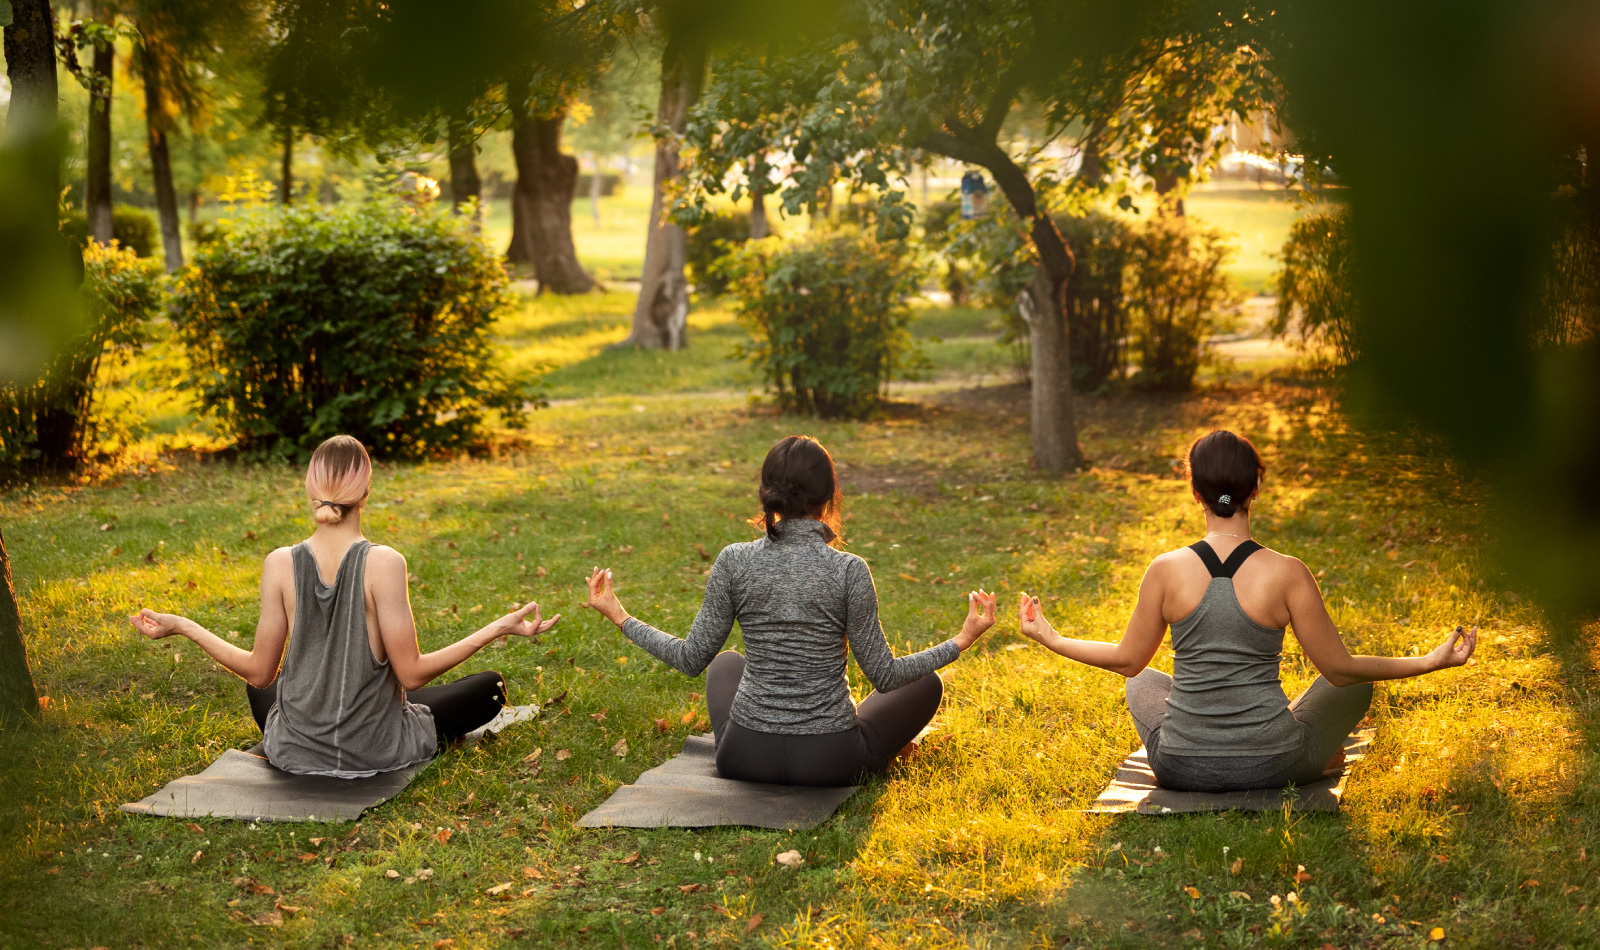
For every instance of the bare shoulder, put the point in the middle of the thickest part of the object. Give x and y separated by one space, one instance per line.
278 559
384 561
1164 564
1285 568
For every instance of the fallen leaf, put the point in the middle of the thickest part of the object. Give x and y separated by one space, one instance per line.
249 535
271 918
308 856
658 911
196 828
529 872
317 842
908 577
533 756
289 909
700 549
197 856
601 715
625 549
392 874
1193 892
106 527
446 942
662 725
630 859
691 888
498 889
541 571
1530 882
620 749
189 586
44 703
755 922
563 754
790 859
1239 895
1436 933
1300 877
424 874
1441 859
1236 867
443 837
687 718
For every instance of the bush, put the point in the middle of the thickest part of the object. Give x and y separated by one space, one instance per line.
716 236
370 319
1569 290
130 227
1176 296
51 424
827 317
1316 299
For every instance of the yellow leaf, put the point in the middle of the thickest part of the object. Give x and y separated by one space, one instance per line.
1193 892
1436 933
1238 865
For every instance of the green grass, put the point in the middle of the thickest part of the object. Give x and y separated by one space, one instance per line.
1472 814
1259 219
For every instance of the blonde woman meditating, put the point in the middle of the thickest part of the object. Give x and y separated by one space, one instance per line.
350 699
1221 721
782 713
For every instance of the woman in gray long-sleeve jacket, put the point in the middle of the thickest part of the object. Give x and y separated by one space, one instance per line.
782 714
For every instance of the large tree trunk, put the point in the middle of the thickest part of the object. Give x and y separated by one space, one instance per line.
18 698
97 184
541 202
466 186
31 66
1054 426
286 168
759 227
156 122
661 317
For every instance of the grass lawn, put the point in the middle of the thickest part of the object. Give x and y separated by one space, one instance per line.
1472 814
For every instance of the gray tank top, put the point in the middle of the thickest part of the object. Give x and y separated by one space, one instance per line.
339 711
1226 699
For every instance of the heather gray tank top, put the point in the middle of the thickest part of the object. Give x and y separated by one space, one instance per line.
339 711
1226 698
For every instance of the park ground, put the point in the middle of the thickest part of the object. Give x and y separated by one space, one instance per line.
1467 826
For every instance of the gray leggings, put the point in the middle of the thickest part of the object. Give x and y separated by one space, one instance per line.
885 723
1327 714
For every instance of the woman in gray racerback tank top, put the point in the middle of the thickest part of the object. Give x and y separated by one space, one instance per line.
1222 721
350 699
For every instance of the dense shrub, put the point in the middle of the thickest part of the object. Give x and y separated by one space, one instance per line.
130 227
938 219
370 319
1570 289
1176 296
51 424
1316 299
827 317
712 239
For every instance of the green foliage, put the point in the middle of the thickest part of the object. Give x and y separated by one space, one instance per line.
369 319
827 317
1176 295
1570 304
131 227
1316 292
50 424
713 238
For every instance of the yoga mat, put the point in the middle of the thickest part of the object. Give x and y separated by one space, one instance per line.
1134 790
686 792
245 786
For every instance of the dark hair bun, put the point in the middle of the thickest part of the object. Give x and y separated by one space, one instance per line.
1225 470
798 481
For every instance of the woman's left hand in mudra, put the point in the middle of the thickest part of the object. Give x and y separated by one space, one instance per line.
517 624
603 597
980 617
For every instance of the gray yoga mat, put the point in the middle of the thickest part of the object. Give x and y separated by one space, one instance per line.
1134 790
245 786
686 792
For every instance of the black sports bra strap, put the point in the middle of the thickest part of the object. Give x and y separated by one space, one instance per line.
1207 557
1237 558
1231 566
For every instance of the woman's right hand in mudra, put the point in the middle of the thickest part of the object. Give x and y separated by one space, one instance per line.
603 598
517 623
980 617
1030 619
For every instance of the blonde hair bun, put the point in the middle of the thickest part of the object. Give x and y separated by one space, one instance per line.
338 478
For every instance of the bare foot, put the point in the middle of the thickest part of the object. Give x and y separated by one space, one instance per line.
1335 763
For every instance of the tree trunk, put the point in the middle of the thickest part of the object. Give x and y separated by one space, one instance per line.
759 228
19 700
1054 426
541 202
594 189
155 118
97 184
30 53
466 186
286 168
661 316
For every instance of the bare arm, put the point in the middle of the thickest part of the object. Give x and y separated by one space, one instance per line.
257 666
1127 656
386 571
1323 646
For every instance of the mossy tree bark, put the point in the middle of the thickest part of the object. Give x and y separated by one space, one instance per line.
19 700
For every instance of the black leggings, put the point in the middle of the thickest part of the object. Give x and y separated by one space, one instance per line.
885 723
458 707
